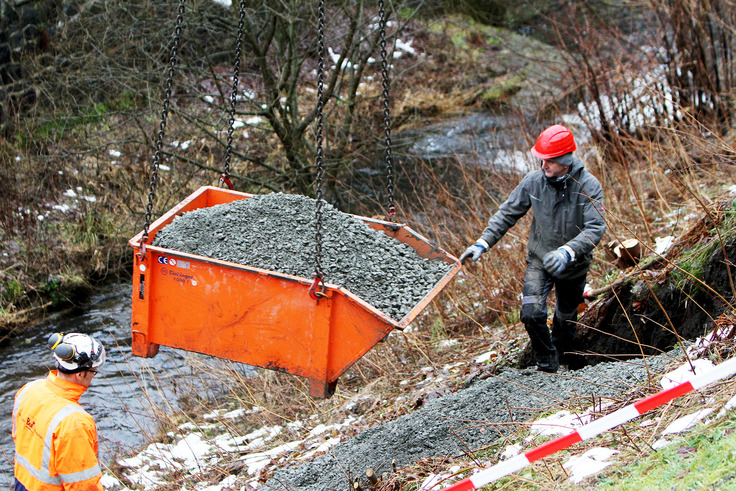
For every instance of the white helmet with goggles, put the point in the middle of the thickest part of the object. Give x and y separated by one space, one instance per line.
75 352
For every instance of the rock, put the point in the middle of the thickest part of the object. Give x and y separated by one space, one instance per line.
277 232
463 421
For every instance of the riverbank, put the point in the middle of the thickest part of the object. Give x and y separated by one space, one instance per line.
443 429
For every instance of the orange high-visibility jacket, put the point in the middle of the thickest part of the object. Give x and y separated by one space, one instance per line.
55 439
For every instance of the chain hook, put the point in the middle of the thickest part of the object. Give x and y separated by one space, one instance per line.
318 288
225 179
142 253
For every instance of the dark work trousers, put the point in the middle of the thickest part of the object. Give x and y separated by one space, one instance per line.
549 348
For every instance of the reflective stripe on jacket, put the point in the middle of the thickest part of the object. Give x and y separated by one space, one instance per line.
55 439
569 214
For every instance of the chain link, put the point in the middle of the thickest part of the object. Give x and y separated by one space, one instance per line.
386 112
164 115
225 178
320 132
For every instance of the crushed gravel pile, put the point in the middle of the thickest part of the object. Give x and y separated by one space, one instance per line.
277 232
467 419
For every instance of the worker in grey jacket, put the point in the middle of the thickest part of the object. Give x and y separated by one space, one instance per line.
568 222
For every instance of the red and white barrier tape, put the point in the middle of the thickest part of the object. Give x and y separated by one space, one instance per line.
623 415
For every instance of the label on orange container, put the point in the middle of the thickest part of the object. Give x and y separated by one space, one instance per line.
172 261
182 278
178 276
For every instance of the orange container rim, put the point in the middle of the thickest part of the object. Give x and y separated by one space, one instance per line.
165 219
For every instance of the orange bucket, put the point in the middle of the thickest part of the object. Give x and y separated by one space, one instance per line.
254 316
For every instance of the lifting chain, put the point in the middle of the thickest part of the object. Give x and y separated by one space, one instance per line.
317 289
386 113
225 177
162 126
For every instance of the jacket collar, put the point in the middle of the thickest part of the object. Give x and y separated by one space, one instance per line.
574 172
576 167
67 390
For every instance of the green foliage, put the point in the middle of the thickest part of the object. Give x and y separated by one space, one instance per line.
57 288
60 288
692 266
701 459
502 89
57 128
694 262
128 100
93 115
459 39
89 229
437 330
512 317
407 12
502 13
466 35
12 291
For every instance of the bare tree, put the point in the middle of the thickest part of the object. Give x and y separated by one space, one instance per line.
699 39
281 40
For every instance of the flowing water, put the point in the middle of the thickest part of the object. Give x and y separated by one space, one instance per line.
128 395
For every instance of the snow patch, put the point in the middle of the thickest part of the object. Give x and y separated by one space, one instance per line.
560 423
662 244
591 462
729 405
684 373
511 451
405 46
487 356
686 422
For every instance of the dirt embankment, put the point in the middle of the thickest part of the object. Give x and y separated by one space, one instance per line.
679 295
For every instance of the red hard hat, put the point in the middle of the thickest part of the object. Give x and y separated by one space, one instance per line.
553 142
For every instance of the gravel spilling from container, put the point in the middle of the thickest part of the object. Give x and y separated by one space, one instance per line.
464 421
277 232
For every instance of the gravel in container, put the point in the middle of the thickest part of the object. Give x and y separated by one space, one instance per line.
277 232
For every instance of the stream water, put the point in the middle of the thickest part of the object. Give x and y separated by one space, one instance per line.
129 394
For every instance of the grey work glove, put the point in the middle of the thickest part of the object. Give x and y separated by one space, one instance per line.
473 252
556 261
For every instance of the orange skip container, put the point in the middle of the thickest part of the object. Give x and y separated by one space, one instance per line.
254 316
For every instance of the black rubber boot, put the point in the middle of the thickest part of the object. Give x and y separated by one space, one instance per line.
547 363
